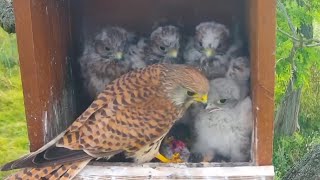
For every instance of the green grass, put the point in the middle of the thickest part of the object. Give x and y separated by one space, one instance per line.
13 131
288 150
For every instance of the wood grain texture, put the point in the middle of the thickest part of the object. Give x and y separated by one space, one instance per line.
174 171
141 15
262 47
44 46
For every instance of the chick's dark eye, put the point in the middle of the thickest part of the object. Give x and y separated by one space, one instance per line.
107 48
162 48
190 93
237 68
222 101
200 44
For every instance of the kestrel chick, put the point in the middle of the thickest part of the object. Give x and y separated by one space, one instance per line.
207 49
132 115
239 69
163 46
225 127
103 59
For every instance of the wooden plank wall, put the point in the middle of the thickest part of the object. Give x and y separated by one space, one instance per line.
45 51
262 32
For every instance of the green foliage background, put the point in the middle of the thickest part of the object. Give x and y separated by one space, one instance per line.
305 57
287 149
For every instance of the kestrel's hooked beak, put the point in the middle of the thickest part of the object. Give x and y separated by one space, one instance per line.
118 55
173 53
209 52
201 98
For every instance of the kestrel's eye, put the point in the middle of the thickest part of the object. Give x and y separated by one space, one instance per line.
162 48
222 101
190 93
107 48
200 44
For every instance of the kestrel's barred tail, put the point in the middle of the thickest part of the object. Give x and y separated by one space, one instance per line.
62 172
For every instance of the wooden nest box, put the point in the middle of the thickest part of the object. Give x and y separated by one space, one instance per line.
50 33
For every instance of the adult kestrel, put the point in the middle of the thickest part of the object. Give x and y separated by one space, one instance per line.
132 115
105 59
207 49
228 118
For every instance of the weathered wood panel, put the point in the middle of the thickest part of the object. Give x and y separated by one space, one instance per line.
44 45
174 171
142 15
262 51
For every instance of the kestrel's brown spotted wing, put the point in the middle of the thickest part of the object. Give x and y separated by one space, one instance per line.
132 115
129 114
126 88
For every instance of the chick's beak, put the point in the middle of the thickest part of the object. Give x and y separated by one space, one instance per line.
211 108
173 53
209 52
202 98
118 55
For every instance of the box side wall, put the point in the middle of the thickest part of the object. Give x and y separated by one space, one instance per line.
262 33
45 53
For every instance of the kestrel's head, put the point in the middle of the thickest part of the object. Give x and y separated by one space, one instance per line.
211 38
186 85
239 69
224 94
111 43
164 42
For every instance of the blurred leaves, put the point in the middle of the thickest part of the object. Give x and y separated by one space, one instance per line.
305 67
305 57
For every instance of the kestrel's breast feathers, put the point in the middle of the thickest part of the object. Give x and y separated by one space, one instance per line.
128 115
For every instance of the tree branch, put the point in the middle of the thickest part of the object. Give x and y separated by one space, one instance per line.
284 11
302 42
313 45
288 35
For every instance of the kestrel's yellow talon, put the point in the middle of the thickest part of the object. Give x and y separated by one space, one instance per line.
175 158
162 158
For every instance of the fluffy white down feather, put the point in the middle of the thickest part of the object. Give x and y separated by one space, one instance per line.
226 130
